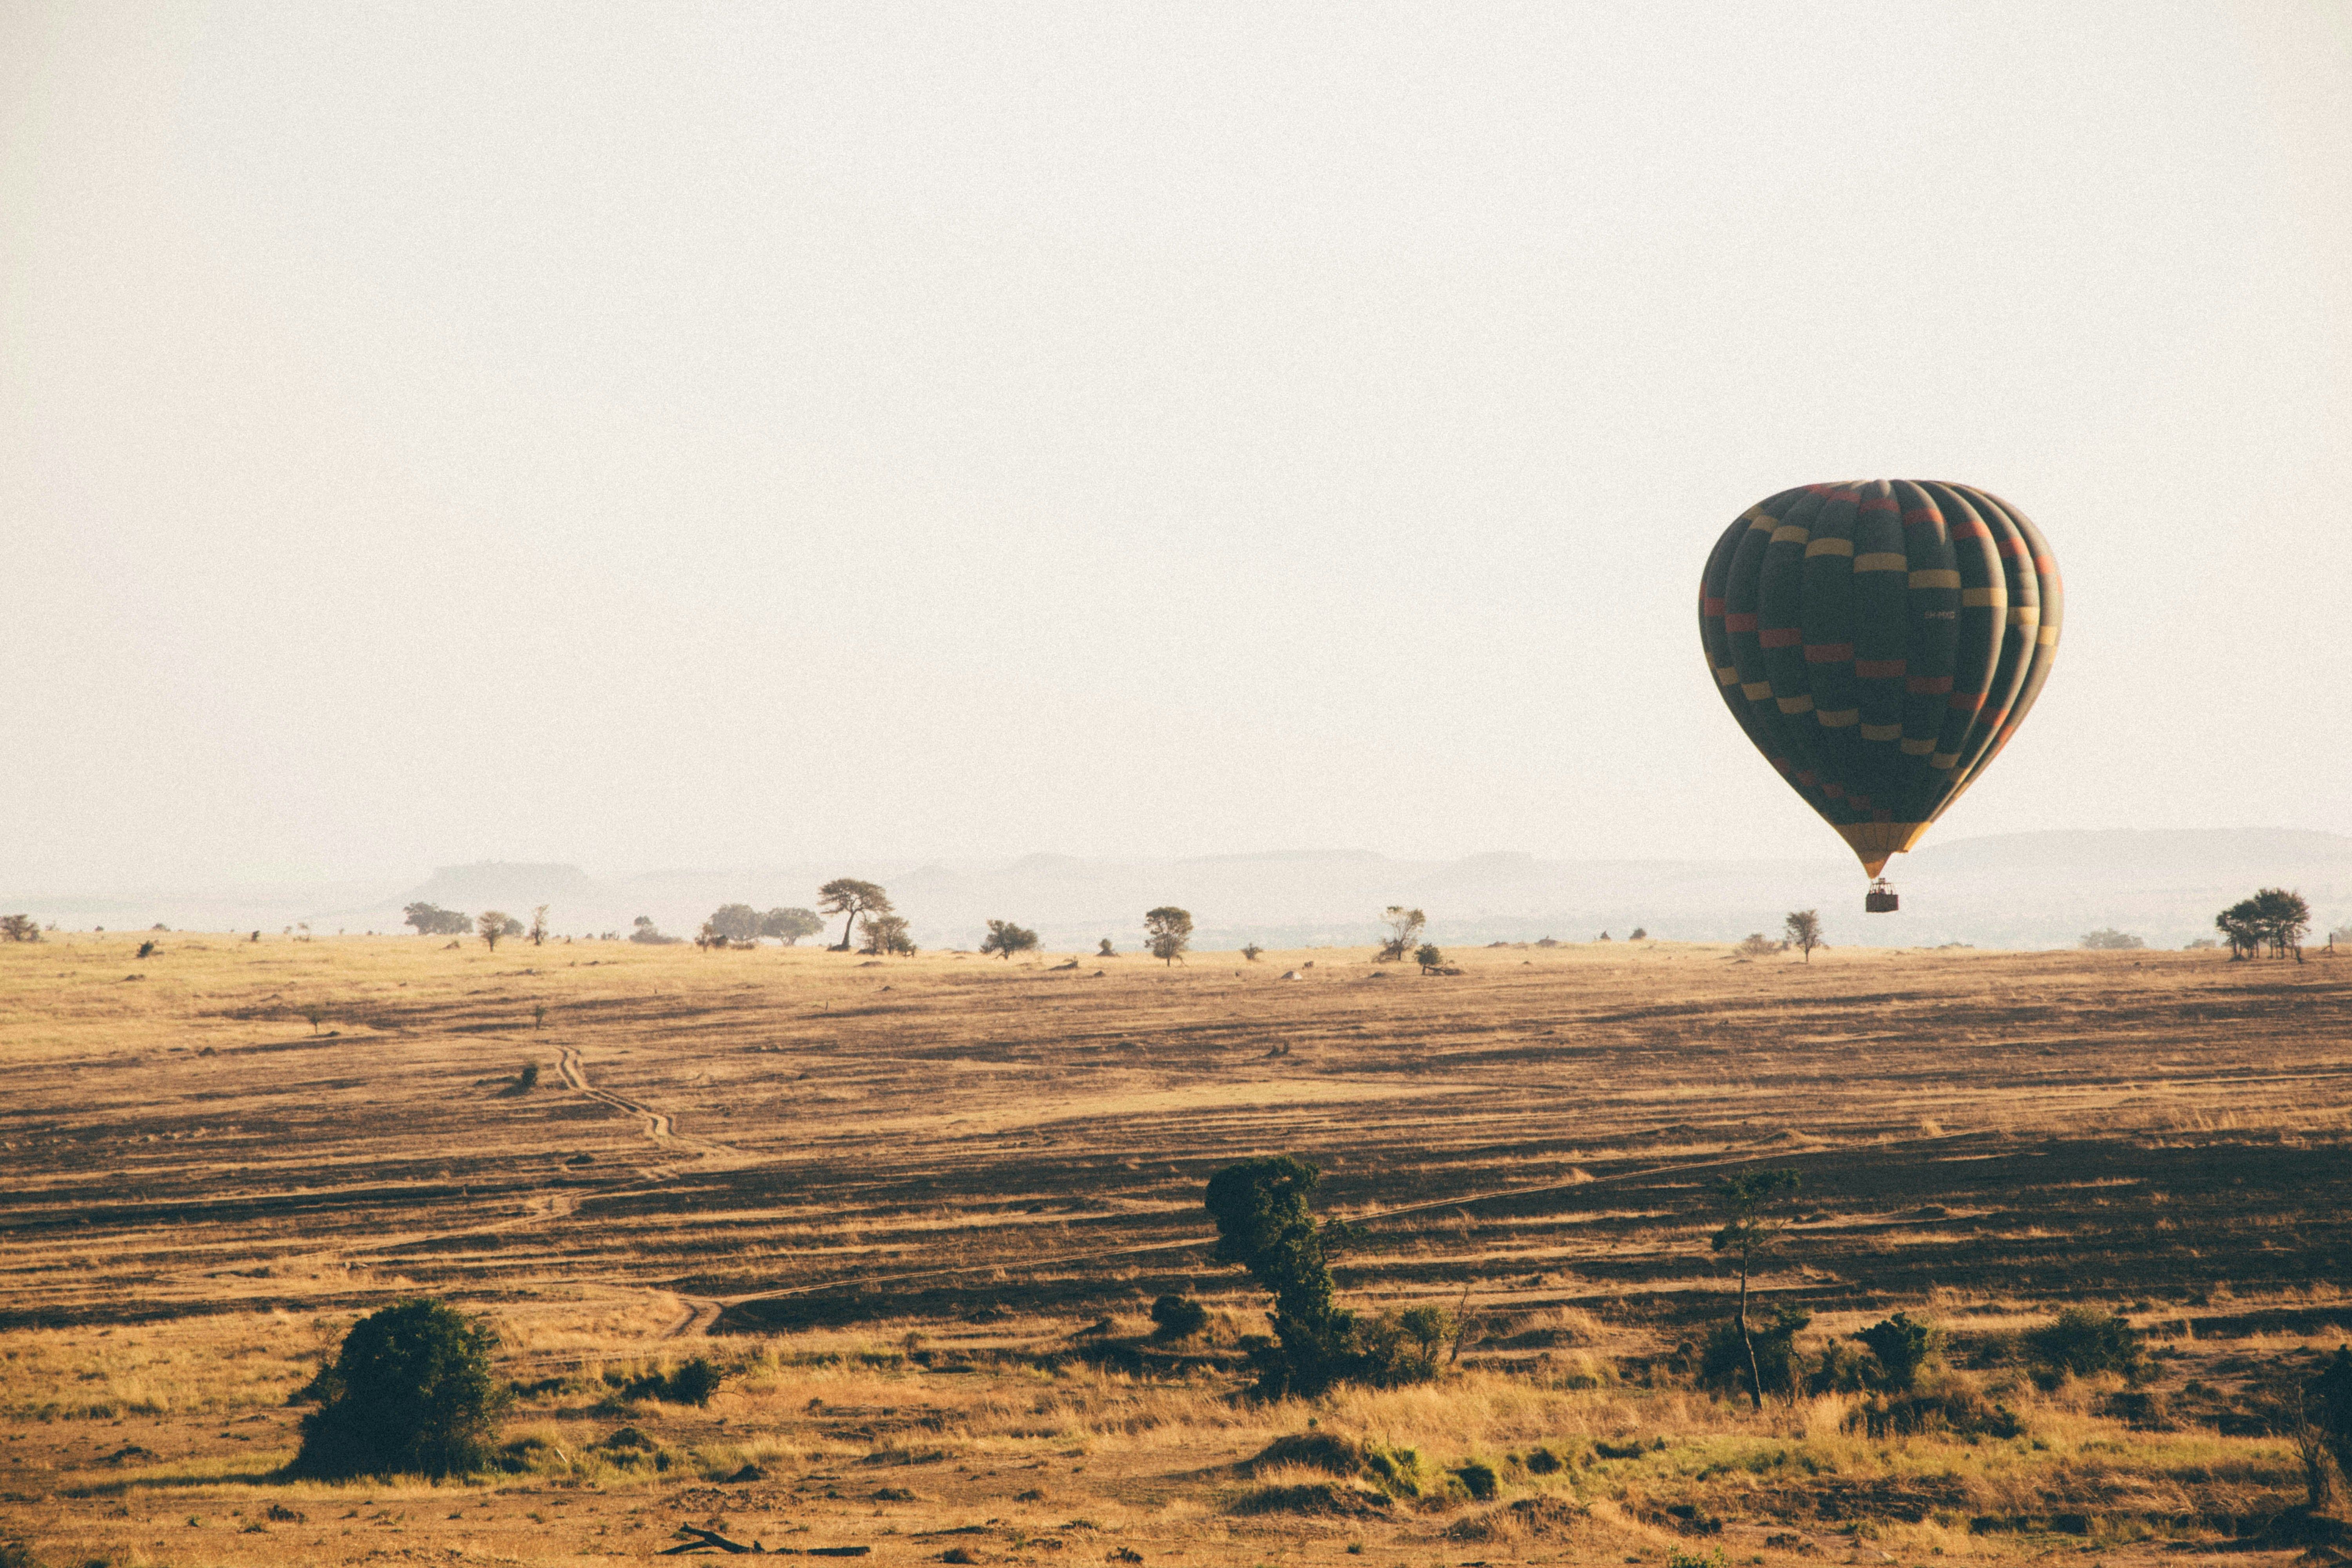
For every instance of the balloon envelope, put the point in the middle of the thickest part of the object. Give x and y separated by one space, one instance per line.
1880 641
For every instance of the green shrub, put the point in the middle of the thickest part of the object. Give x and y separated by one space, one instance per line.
1477 1478
1396 1469
2083 1340
1310 1450
1396 1349
1178 1318
1902 1347
694 1382
410 1393
1958 1409
1843 1369
1544 1462
1723 1361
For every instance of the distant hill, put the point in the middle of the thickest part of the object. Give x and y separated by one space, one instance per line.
2023 890
509 885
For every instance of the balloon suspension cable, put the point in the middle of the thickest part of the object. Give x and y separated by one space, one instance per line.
1882 898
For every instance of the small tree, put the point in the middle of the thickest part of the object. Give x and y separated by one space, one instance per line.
1264 1225
2107 939
851 899
1105 950
1641 934
1168 932
19 927
789 925
736 923
432 920
1405 933
885 935
1178 1318
1004 939
1902 1347
316 1014
1750 1229
1804 929
1428 957
538 932
493 925
1250 950
2286 918
643 930
1756 944
2274 917
411 1393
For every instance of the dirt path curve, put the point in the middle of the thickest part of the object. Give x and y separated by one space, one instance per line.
657 1123
700 1313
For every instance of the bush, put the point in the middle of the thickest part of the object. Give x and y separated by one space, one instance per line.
694 1382
2083 1340
1315 1450
2109 939
410 1393
1957 1408
1178 1318
528 1077
1901 1348
1723 1363
1401 1348
1398 1470
1477 1478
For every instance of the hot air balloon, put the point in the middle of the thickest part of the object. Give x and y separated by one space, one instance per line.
1880 641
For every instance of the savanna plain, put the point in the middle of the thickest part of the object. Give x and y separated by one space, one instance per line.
916 1213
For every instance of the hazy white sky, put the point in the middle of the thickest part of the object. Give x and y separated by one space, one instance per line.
654 434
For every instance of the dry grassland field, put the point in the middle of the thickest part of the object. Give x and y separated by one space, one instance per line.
916 1212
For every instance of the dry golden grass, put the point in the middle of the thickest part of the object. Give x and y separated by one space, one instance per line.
912 1187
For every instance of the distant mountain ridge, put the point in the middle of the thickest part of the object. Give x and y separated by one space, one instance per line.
2020 889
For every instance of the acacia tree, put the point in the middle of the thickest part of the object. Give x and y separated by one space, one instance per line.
1804 929
1405 933
736 923
1168 932
789 925
885 935
851 899
538 932
493 925
19 927
1004 939
2286 918
432 920
2274 917
1752 1229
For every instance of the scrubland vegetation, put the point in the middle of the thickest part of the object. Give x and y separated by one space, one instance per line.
915 1258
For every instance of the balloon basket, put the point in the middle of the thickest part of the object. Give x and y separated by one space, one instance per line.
1880 899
